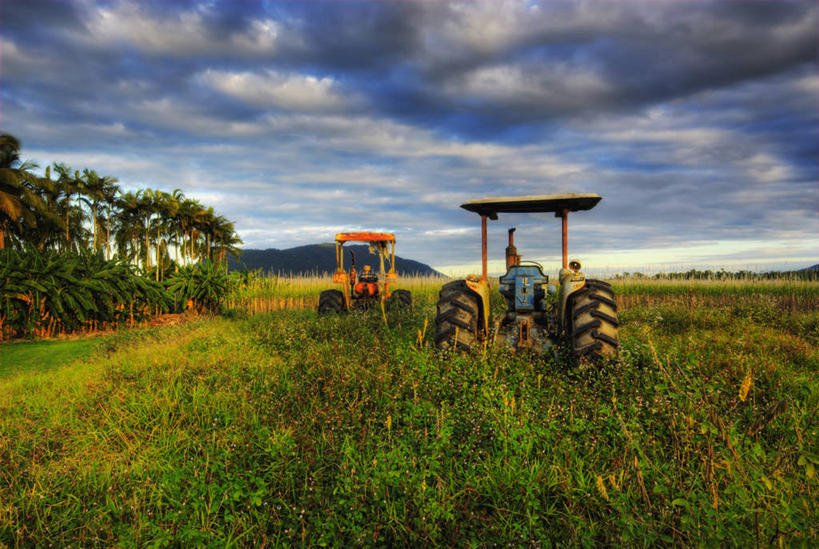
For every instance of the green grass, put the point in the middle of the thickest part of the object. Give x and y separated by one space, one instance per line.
286 429
41 356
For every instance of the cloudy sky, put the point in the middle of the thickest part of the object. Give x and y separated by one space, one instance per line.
698 122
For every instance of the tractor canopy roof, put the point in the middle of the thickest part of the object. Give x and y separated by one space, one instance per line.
557 203
365 237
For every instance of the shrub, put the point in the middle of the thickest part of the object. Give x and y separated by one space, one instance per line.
45 293
203 286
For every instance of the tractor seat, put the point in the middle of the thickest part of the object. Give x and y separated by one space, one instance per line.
368 277
367 284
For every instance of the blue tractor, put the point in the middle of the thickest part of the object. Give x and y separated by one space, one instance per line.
578 312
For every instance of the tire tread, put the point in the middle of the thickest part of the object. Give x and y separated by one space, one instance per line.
592 313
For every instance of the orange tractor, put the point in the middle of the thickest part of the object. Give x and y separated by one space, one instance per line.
362 290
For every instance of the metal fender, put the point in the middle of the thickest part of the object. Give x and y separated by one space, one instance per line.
481 287
570 282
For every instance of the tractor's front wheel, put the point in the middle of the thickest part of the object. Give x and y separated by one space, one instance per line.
456 324
592 321
330 301
400 299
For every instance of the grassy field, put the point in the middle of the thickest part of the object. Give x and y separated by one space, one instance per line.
41 356
282 428
273 293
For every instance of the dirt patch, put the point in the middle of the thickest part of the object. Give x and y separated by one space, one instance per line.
173 319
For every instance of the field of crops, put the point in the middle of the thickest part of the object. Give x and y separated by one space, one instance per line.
273 293
272 426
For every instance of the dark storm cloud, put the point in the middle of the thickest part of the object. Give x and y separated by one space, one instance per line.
568 58
364 36
38 18
434 62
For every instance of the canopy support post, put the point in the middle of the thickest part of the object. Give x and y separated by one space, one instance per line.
483 248
565 216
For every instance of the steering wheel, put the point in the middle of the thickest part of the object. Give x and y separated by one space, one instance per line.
532 262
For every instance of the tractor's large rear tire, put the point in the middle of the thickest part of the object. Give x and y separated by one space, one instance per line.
400 299
592 321
330 301
456 324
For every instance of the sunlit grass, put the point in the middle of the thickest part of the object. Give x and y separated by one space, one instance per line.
274 293
41 356
785 294
264 294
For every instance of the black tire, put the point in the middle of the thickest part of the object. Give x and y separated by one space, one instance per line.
458 316
331 301
400 299
592 321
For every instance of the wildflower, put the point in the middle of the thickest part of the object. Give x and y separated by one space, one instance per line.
601 487
745 387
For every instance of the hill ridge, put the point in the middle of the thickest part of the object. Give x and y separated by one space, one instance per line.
320 259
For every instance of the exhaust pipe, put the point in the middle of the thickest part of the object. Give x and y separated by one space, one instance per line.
512 257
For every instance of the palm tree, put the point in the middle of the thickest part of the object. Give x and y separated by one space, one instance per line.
97 189
18 201
204 224
187 215
225 239
129 226
9 150
50 225
70 185
51 214
145 209
12 205
177 201
109 200
165 207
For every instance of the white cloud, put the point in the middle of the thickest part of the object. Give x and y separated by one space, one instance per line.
486 26
550 86
809 85
766 168
174 114
492 27
114 164
270 88
457 231
180 35
728 254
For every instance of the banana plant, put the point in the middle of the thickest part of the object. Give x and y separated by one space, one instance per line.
204 286
42 294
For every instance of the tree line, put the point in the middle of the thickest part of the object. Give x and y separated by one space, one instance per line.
72 210
811 273
78 254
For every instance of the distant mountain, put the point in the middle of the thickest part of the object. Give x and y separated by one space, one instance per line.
320 258
811 268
